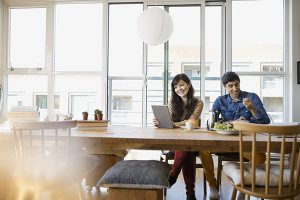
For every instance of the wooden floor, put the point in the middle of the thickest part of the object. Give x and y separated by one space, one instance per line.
177 192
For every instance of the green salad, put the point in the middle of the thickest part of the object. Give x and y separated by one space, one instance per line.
223 125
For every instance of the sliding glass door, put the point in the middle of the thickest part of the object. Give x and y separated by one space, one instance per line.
206 42
182 54
125 66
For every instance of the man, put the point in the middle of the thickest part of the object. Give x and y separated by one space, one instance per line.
235 105
239 105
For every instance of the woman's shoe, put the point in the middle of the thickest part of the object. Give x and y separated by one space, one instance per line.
191 197
172 180
214 193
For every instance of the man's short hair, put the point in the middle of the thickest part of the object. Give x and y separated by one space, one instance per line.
230 77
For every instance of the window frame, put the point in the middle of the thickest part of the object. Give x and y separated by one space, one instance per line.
49 70
106 90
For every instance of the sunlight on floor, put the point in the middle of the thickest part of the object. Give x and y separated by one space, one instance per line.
143 155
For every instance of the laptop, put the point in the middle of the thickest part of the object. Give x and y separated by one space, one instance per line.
161 113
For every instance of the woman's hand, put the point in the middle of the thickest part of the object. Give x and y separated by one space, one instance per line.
155 122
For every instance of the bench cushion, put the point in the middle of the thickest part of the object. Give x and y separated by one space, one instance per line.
142 174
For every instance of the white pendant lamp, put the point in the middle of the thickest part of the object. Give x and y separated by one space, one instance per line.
155 26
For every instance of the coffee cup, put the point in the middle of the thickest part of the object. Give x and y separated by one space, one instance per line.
189 125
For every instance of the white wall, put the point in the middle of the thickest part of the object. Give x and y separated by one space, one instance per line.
1 28
294 57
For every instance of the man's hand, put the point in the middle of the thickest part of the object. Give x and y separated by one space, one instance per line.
242 118
248 103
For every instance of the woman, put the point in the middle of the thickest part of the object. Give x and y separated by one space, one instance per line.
184 106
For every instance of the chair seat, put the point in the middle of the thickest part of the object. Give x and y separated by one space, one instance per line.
225 156
232 170
259 191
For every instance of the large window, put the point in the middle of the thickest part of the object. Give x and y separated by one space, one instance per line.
257 46
213 55
27 47
55 57
125 65
72 56
78 37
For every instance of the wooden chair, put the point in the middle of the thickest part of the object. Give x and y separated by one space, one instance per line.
269 180
46 164
226 156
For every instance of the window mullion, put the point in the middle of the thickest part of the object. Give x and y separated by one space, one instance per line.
228 34
49 57
288 108
202 55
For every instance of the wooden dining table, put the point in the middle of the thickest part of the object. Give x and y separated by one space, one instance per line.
151 138
112 144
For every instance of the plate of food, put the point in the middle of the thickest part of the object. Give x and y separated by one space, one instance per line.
226 132
225 128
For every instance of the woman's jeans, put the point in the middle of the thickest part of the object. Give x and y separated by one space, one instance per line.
187 162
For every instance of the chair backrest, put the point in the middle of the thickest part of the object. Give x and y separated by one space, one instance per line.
42 140
279 138
271 119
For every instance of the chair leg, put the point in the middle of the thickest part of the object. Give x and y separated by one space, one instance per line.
219 170
167 161
204 184
79 191
233 195
247 197
24 193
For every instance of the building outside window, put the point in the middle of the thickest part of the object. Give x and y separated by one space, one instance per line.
122 102
41 101
82 102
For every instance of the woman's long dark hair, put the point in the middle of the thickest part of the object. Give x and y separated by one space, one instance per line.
176 101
